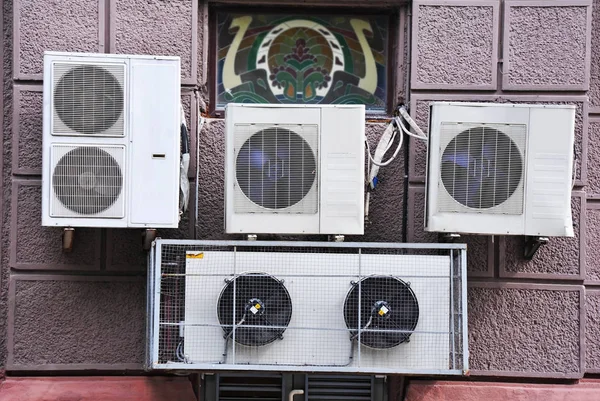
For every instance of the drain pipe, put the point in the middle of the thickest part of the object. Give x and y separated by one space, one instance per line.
407 63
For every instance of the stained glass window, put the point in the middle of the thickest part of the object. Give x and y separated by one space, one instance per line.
306 59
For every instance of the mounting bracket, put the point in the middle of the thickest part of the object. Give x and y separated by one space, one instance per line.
68 237
449 237
532 244
251 237
336 238
148 236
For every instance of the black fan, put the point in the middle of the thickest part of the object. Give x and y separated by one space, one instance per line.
275 168
389 311
88 99
263 309
481 167
87 180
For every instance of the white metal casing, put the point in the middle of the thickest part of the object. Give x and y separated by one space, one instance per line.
541 204
338 189
148 143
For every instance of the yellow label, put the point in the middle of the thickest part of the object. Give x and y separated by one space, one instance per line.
199 255
381 312
257 306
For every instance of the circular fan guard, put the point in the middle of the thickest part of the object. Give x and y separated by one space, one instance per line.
481 168
389 311
87 180
88 99
260 300
275 168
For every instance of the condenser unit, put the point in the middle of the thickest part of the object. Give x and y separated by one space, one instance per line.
298 306
110 140
294 169
504 169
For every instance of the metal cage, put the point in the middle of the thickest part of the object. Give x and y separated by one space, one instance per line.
379 308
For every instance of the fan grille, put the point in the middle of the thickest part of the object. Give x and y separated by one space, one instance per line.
482 168
276 168
388 314
87 181
260 306
88 99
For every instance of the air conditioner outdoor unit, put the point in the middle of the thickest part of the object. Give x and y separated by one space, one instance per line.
299 306
294 169
110 140
503 169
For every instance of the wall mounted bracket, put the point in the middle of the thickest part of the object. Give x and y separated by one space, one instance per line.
68 237
449 237
532 244
148 236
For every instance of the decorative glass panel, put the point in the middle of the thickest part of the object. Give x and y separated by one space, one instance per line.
274 58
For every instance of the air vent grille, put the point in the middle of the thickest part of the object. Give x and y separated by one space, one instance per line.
276 168
339 388
87 181
88 99
482 168
250 387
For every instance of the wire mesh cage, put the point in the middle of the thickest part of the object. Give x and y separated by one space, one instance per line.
307 306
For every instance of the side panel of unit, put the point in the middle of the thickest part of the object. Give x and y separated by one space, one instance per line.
155 140
549 172
342 170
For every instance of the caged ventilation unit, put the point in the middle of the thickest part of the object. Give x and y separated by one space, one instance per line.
294 169
500 169
307 307
111 140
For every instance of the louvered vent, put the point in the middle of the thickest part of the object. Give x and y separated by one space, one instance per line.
250 387
87 181
339 388
276 168
88 99
482 168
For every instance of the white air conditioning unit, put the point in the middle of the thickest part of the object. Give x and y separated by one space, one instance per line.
294 169
111 140
354 307
503 169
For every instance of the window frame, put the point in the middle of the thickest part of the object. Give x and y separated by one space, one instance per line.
393 45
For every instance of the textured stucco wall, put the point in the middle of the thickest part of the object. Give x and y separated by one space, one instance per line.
516 328
525 328
546 48
85 321
455 58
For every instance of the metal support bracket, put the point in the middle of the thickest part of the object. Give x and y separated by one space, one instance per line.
448 238
336 238
251 237
532 244
148 237
68 237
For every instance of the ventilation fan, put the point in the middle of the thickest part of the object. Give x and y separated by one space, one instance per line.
88 98
87 180
258 305
275 168
294 169
500 169
384 308
481 167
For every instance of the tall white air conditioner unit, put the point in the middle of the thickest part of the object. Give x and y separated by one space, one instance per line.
294 169
502 169
111 140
